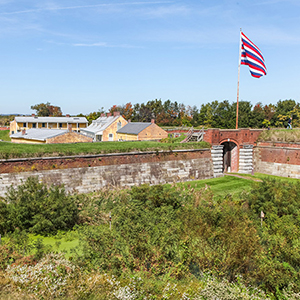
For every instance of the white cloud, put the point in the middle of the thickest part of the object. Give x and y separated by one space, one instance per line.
56 8
103 44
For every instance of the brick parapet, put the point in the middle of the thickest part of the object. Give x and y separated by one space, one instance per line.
240 137
81 161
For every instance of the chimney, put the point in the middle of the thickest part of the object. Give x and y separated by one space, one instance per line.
116 113
33 115
108 114
102 115
23 132
68 116
152 121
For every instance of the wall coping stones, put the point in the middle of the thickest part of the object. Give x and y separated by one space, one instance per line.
102 155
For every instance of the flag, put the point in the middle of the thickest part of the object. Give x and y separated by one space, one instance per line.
252 57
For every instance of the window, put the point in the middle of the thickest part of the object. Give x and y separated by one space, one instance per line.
119 125
33 125
24 124
98 138
43 125
60 125
110 137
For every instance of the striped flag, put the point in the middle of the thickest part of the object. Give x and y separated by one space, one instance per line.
252 57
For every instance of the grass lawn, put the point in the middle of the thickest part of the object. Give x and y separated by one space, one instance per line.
4 135
59 243
264 176
12 150
226 185
222 186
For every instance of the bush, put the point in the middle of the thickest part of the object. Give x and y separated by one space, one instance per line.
35 207
280 202
145 232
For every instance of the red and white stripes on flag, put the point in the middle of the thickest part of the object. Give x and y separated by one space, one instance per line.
252 57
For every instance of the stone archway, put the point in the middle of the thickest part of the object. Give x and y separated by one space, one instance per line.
230 157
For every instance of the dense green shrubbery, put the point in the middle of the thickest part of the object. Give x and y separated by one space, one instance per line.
35 207
164 230
168 235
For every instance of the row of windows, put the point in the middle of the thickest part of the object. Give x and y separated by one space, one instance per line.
60 125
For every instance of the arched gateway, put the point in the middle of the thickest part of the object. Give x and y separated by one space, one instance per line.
232 150
230 157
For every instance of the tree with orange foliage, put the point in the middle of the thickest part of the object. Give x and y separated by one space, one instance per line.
47 110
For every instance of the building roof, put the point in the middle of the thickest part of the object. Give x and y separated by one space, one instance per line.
38 134
100 124
31 119
134 127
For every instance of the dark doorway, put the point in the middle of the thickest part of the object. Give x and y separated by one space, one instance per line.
230 157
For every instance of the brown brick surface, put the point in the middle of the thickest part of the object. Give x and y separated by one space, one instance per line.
37 164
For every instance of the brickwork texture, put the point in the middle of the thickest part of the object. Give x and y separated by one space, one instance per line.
87 174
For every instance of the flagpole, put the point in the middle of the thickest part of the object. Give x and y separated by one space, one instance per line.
238 84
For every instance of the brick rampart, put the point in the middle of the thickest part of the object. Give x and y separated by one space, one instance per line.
280 159
93 172
243 136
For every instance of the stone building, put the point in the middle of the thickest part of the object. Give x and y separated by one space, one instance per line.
138 131
49 136
105 127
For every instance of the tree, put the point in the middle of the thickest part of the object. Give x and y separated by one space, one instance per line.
244 113
223 115
258 117
94 115
207 113
127 111
284 110
47 110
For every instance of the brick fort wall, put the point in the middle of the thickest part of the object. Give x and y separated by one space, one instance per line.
280 159
90 173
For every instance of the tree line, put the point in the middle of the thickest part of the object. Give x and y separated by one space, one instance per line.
215 114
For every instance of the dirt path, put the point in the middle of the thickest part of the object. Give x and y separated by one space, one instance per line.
244 177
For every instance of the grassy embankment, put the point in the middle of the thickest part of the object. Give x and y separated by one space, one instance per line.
10 150
280 135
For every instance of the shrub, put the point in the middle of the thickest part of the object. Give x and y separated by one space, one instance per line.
42 210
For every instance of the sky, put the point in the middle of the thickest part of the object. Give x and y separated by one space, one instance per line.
83 55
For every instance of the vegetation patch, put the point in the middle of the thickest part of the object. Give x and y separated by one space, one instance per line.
4 135
280 135
156 242
10 150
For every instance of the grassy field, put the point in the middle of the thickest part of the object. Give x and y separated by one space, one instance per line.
10 150
4 135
